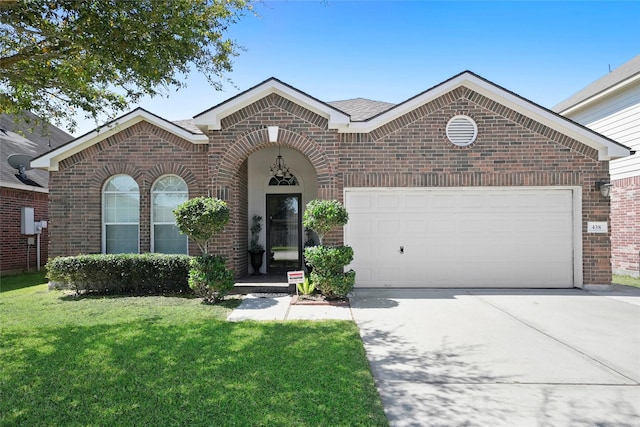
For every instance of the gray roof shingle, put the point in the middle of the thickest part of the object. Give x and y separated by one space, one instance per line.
33 143
361 109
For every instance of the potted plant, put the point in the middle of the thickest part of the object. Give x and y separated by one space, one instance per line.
256 250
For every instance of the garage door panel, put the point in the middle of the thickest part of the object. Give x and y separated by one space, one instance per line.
500 237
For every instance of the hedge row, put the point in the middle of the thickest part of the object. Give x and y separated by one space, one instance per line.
121 273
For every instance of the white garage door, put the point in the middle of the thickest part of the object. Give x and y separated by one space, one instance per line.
489 237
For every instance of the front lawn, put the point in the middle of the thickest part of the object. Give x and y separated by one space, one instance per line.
172 361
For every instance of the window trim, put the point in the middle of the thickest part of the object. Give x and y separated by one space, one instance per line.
152 212
103 215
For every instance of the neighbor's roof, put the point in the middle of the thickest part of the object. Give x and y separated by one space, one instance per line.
33 143
621 76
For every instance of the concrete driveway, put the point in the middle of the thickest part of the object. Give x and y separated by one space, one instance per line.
466 357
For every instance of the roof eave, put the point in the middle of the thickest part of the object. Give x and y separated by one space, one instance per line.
607 148
212 118
601 95
50 161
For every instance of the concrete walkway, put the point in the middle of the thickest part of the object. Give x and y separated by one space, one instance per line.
278 307
465 357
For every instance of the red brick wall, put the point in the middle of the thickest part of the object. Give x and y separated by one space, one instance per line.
625 226
511 150
13 245
145 153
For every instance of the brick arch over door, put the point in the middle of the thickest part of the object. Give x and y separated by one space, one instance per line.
230 175
258 139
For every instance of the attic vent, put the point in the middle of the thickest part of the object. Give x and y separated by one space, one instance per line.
462 130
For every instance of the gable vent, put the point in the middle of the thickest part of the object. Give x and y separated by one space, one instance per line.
462 130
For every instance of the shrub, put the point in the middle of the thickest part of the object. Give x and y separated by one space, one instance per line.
121 273
322 216
328 260
209 278
328 263
336 285
200 218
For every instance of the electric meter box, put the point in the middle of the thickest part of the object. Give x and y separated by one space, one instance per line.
27 224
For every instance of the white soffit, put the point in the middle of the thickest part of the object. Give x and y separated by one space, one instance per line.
212 118
50 160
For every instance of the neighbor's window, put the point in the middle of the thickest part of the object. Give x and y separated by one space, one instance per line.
120 215
167 193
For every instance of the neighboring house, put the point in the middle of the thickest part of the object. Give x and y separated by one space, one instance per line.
465 184
611 106
29 188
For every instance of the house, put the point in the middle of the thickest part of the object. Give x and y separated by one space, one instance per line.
611 106
465 184
23 189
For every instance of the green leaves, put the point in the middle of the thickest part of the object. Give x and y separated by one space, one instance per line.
62 56
322 216
200 218
209 278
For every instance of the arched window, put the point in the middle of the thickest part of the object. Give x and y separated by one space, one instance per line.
167 193
120 215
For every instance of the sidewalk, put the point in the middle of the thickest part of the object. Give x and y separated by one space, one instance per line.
263 307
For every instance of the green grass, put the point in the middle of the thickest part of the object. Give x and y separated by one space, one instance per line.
626 280
167 361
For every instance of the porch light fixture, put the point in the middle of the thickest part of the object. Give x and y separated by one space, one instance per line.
604 187
279 169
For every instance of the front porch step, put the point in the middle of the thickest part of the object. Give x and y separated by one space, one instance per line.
262 288
263 283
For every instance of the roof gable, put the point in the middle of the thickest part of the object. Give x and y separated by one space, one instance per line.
211 119
607 148
51 159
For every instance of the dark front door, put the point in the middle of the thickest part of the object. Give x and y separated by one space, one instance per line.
284 225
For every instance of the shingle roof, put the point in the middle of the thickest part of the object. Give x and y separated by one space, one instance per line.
33 143
187 124
361 109
620 74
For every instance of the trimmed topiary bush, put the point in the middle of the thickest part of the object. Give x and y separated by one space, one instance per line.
200 218
335 285
121 273
322 216
329 260
328 263
209 278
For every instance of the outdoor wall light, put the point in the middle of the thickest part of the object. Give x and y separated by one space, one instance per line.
604 187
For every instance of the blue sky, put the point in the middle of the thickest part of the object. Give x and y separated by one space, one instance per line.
392 50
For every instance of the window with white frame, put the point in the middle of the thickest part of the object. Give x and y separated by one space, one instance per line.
120 215
166 194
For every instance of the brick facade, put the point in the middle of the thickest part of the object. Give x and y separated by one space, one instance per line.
625 226
411 151
15 254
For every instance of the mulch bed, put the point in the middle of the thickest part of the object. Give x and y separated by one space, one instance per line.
317 299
